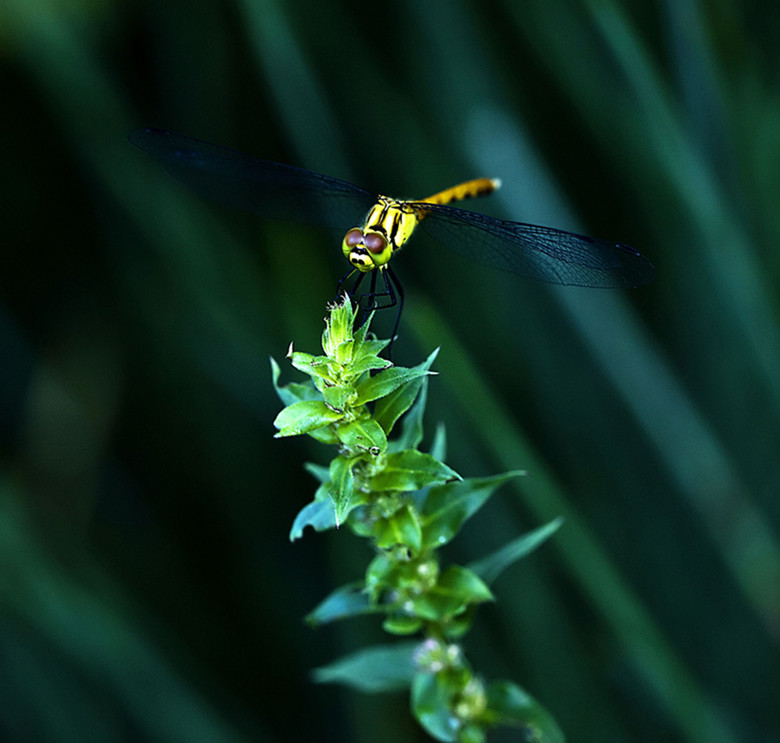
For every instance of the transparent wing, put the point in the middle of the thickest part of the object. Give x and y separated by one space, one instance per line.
267 188
541 253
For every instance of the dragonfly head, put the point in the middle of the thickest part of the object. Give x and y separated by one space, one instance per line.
366 250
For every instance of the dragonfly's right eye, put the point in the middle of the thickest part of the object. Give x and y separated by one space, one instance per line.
374 242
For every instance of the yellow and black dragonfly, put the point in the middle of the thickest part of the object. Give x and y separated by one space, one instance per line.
378 226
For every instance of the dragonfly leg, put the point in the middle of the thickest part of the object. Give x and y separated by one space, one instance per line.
369 300
352 289
391 280
384 299
390 294
358 299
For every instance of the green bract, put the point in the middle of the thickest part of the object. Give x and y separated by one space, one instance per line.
408 503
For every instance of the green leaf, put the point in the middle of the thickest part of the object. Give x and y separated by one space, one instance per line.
344 351
460 624
431 706
372 348
461 582
510 705
447 507
382 384
304 416
492 565
319 514
337 395
366 358
317 471
342 488
403 527
325 435
402 625
411 470
361 524
379 573
360 334
363 435
294 391
374 669
348 601
390 408
456 589
399 403
314 366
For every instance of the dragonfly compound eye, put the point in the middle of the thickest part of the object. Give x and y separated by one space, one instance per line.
374 242
353 237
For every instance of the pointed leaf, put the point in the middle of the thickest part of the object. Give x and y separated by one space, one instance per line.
456 589
431 706
366 358
448 506
390 408
379 574
513 707
342 488
325 435
398 403
319 514
403 527
314 366
336 396
411 470
364 435
294 391
344 602
360 334
492 565
372 348
387 381
461 582
344 352
304 416
317 471
373 669
402 625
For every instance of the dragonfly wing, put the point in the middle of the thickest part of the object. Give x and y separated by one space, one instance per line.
267 188
541 253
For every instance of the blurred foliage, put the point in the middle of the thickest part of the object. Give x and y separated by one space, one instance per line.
147 587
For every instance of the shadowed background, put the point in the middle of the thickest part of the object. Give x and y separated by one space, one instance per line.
148 591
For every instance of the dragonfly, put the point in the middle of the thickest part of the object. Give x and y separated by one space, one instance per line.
378 226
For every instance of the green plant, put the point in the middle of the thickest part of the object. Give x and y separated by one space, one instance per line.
408 503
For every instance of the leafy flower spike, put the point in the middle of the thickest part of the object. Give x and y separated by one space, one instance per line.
408 504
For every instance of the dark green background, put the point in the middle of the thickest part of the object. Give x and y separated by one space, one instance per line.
147 588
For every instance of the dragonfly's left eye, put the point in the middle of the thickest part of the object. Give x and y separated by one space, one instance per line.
353 237
374 242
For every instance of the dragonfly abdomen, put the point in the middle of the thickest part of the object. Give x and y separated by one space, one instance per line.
468 190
